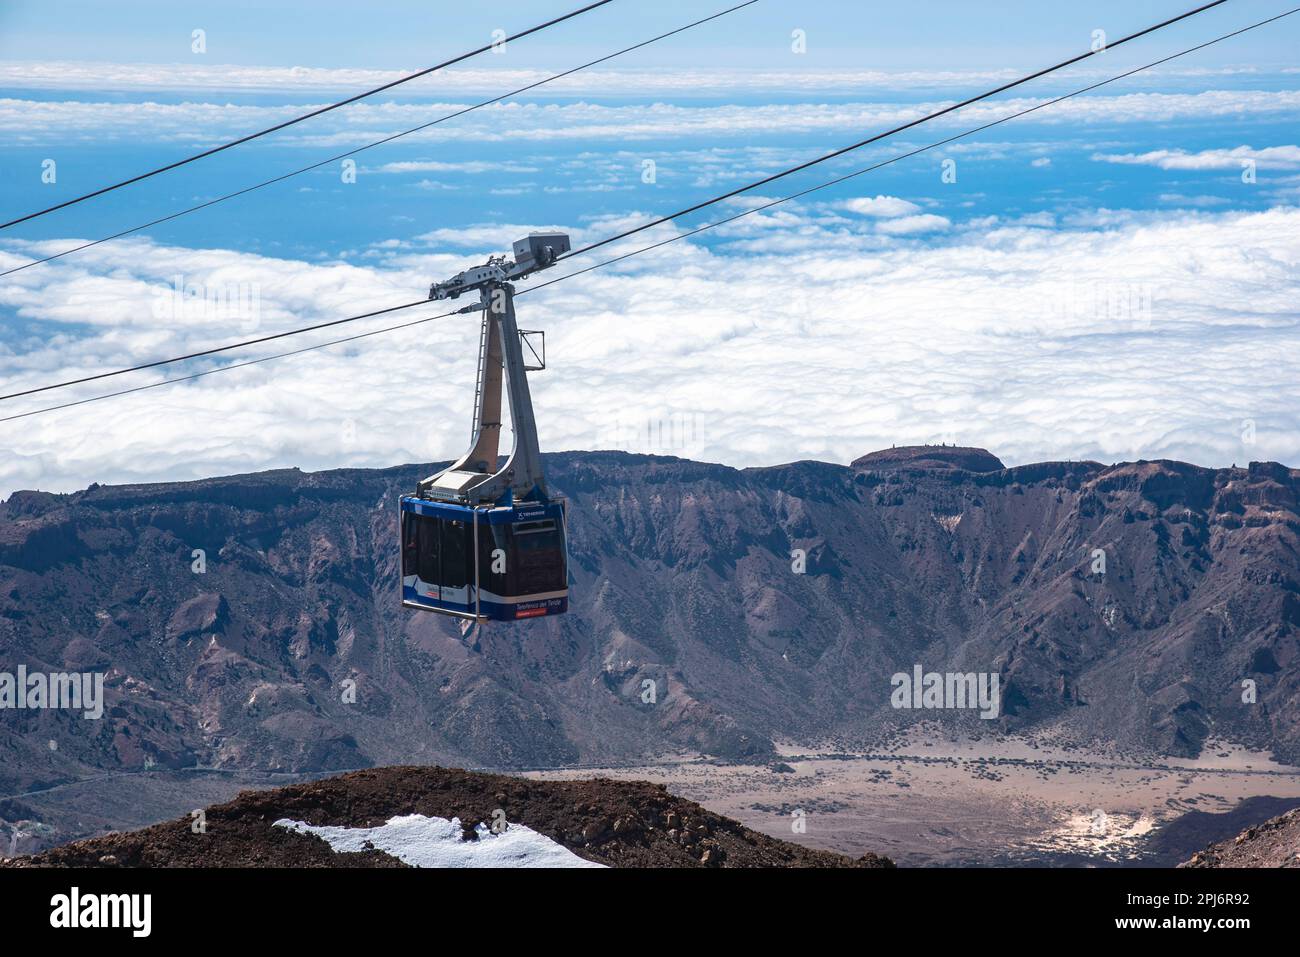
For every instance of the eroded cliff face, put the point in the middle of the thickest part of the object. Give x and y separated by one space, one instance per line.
683 576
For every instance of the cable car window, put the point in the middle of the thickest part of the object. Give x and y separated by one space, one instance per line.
410 547
456 551
426 537
538 558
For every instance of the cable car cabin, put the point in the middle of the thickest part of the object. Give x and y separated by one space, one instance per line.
489 564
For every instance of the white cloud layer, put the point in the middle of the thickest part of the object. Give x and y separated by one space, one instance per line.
193 78
804 334
1271 157
32 122
912 225
884 206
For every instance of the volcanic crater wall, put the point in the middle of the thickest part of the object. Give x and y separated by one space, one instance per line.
288 650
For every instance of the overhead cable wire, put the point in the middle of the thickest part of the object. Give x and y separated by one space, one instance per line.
214 351
364 315
237 365
379 142
625 256
298 119
672 239
891 132
902 156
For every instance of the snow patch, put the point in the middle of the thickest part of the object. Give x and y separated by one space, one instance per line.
436 842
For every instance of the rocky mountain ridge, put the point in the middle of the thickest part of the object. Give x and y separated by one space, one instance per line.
759 604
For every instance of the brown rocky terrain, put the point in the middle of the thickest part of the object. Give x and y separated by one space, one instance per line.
616 823
929 457
1275 843
288 651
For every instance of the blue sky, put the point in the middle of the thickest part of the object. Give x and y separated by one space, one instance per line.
1039 298
407 33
